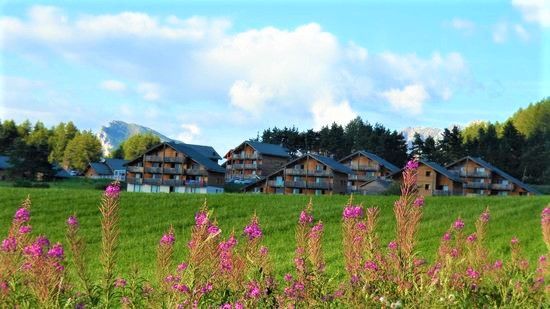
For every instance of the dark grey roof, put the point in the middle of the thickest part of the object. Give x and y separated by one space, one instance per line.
101 168
4 164
333 164
268 149
383 181
374 157
197 156
497 170
443 171
116 164
61 172
206 151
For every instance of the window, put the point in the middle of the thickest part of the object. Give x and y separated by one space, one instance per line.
317 179
445 188
137 188
504 182
318 167
155 189
503 193
427 186
428 173
296 191
318 192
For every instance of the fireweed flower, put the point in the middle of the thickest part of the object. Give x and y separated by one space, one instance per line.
458 224
72 221
288 277
113 190
253 290
213 230
263 250
22 215
352 212
371 265
25 229
58 267
9 244
253 230
419 201
168 239
56 251
316 230
120 283
485 216
497 264
471 237
42 241
182 266
446 236
305 218
412 165
470 272
392 245
33 250
362 226
514 241
201 218
207 288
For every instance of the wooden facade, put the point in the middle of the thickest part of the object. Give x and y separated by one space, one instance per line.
174 167
253 160
482 178
366 167
433 179
310 174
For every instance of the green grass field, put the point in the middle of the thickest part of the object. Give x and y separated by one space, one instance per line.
144 217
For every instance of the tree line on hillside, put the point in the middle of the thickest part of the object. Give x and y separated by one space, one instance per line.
38 150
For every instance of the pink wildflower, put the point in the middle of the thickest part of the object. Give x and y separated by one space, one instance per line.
497 264
112 190
305 217
458 224
412 165
392 245
201 218
125 300
371 265
253 230
514 241
120 283
454 252
485 216
254 290
353 212
58 266
182 266
264 250
34 250
542 259
168 239
207 288
72 221
419 201
362 226
42 241
446 236
471 237
56 251
239 306
226 306
288 277
470 272
9 244
22 215
316 230
25 229
212 230
182 288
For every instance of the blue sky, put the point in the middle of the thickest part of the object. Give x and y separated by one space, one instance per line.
217 73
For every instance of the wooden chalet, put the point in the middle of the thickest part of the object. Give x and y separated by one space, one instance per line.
107 168
366 167
434 179
254 160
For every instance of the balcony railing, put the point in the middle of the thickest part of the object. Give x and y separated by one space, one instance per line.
361 177
238 166
133 180
476 185
294 171
276 184
134 169
153 170
174 159
196 171
473 174
295 184
195 184
174 170
319 185
500 186
318 173
368 167
152 181
252 166
245 156
154 158
173 182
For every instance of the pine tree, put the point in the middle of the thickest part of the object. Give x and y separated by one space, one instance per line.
417 145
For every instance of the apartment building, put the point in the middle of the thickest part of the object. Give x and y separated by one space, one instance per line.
107 168
176 167
434 179
482 178
254 160
309 174
366 167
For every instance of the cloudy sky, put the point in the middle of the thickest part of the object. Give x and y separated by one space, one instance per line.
215 73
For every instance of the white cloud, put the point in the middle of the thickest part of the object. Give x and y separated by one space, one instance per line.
409 99
500 32
249 97
113 85
535 11
188 132
149 91
325 112
521 32
464 25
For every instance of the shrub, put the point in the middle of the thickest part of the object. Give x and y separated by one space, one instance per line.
29 184
236 272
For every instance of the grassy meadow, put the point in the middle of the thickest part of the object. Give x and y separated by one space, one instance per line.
144 218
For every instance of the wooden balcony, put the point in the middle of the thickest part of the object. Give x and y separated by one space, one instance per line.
252 166
476 185
500 186
152 181
133 180
196 171
319 185
276 184
174 170
320 173
134 169
295 184
174 159
294 171
153 170
238 156
173 182
154 158
361 177
366 168
238 166
473 174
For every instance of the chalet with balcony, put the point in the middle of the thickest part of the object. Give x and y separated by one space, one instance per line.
434 179
176 167
254 160
482 178
309 174
107 168
366 167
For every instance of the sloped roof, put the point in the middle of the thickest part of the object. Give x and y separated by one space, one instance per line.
497 170
206 151
116 164
101 168
197 156
333 164
385 182
268 149
443 171
374 157
4 164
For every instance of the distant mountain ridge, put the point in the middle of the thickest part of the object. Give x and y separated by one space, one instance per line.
112 135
